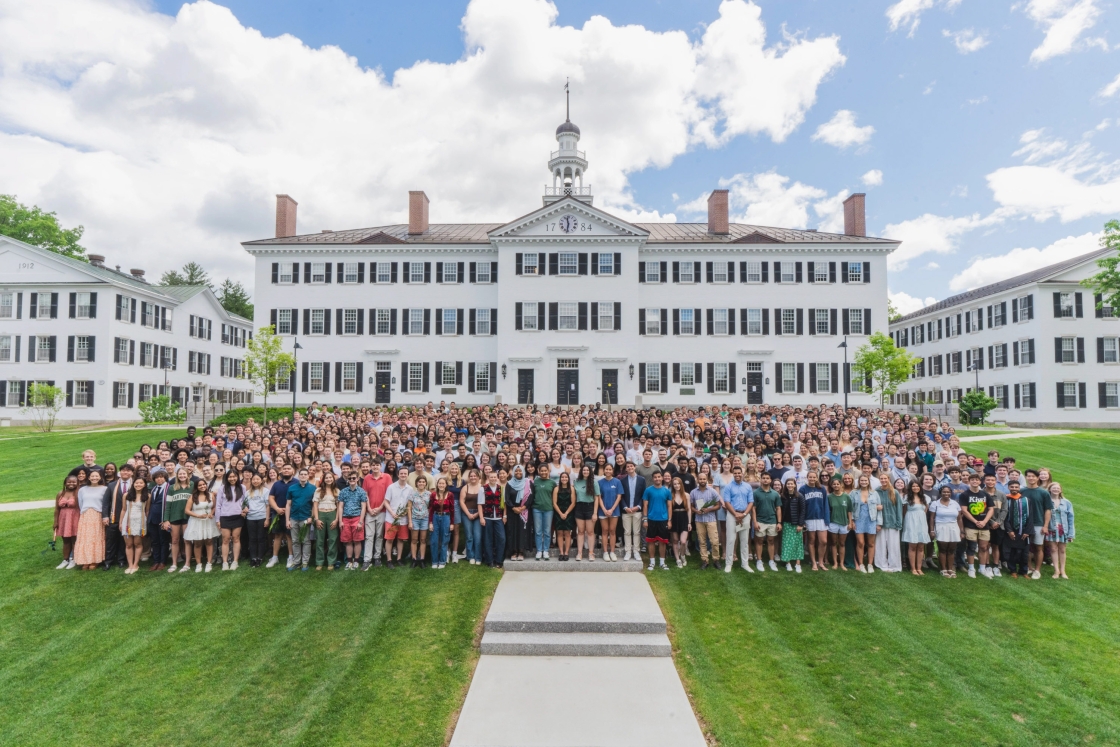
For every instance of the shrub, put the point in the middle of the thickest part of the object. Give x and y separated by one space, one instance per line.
161 409
978 401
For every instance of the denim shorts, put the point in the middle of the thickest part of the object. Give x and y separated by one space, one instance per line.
834 528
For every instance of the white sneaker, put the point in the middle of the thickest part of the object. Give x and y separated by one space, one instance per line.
454 557
651 564
727 569
198 569
546 555
1036 575
539 554
995 572
747 567
870 569
789 567
233 566
272 561
663 566
209 567
987 573
797 568
69 564
591 556
627 556
225 566
774 566
972 571
62 565
760 566
186 567
290 563
860 568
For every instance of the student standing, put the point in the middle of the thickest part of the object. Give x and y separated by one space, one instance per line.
586 490
767 520
257 499
609 502
840 521
945 520
133 522
175 517
277 521
1061 529
1042 508
493 520
111 513
680 519
655 517
352 500
324 513
297 519
633 485
160 537
915 531
441 509
888 556
563 507
518 498
794 525
978 511
398 500
1018 530
375 484
231 510
201 529
705 504
816 519
89 544
738 505
865 508
66 519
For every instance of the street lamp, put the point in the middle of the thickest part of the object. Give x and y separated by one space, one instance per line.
847 378
296 347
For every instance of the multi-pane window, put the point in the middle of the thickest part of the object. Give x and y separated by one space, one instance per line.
789 377
284 382
284 322
653 377
318 321
5 348
719 321
529 315
1025 399
1069 392
482 377
450 321
81 349
82 308
81 393
7 305
719 272
1069 350
350 321
568 313
446 374
789 322
529 265
653 272
451 272
145 392
384 272
855 272
721 381
318 272
1065 303
998 360
482 272
569 263
1111 394
606 263
855 321
688 374
820 272
653 321
820 321
686 272
482 321
687 321
1109 353
124 309
415 323
349 377
284 272
754 272
754 321
350 272
44 310
415 272
415 377
606 315
147 355
998 319
120 394
788 274
315 377
823 374
382 317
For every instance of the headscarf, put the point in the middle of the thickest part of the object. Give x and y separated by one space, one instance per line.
517 483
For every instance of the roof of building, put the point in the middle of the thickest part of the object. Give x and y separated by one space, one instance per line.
659 233
1005 285
567 126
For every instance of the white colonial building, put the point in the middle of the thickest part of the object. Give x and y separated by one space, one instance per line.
1042 345
569 304
109 339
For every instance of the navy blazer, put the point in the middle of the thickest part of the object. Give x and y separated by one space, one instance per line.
632 501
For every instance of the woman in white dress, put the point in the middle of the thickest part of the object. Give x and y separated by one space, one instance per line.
201 529
915 525
134 522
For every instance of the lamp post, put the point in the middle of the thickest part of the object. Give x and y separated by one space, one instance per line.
847 383
296 347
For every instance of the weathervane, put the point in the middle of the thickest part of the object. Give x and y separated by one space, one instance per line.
567 102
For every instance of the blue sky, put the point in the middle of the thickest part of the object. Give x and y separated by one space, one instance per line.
994 124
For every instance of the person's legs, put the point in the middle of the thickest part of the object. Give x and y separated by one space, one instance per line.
498 543
1061 557
822 548
473 530
1053 559
860 544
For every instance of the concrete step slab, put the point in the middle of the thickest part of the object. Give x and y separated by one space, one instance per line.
576 644
573 566
574 603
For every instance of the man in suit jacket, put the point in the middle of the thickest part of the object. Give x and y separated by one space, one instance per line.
111 514
633 489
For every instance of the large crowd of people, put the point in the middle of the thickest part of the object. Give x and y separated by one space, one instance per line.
767 487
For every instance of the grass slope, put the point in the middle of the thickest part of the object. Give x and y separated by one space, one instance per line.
32 466
250 657
847 659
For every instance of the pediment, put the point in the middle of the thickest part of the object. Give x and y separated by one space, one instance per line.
19 264
568 219
380 237
756 237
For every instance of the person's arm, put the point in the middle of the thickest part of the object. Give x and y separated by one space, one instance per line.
555 494
288 513
315 512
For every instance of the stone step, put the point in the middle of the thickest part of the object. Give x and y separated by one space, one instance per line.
570 622
571 565
576 644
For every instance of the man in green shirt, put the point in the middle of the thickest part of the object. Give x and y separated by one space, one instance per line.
1041 505
840 520
767 520
542 511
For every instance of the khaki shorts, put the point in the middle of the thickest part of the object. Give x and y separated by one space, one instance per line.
974 535
766 530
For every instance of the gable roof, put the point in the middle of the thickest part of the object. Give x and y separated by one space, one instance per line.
1005 285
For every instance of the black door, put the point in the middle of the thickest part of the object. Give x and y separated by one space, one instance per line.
567 386
754 388
525 386
610 386
381 388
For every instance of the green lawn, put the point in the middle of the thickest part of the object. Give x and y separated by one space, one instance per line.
33 465
848 659
252 657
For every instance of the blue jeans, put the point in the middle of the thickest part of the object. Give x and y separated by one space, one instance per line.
474 538
542 527
441 533
493 542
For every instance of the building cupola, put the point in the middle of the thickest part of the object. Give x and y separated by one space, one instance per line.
569 164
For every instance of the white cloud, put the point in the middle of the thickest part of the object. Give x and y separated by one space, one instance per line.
931 234
872 178
842 131
909 12
905 304
985 270
1064 22
932 266
768 199
966 40
1110 90
167 137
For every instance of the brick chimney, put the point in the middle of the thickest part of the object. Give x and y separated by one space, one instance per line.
285 216
97 260
717 212
417 212
855 219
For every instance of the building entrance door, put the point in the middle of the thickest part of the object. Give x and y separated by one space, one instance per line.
754 383
610 386
525 386
381 383
567 381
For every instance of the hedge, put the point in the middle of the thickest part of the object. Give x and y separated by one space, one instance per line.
241 415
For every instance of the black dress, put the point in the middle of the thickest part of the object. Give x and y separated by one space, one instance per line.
519 531
564 502
678 519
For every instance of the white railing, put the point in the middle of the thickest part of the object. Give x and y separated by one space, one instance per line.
570 153
566 191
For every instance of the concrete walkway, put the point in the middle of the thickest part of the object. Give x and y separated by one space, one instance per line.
1016 434
578 639
25 505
